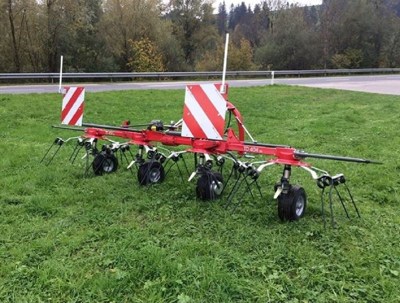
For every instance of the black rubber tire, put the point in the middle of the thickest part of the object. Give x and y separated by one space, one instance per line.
291 206
150 173
209 186
104 163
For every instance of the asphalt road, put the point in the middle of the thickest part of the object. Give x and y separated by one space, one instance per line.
386 84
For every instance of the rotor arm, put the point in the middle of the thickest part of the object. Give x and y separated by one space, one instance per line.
302 155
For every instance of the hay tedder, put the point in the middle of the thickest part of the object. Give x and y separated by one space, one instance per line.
206 133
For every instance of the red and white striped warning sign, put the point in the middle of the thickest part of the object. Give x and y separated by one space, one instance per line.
204 112
72 106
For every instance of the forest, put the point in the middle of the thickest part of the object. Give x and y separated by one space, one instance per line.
188 35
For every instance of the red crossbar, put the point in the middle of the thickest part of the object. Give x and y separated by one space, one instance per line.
280 155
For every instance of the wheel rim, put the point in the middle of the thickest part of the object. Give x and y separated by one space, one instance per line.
216 187
154 175
299 206
108 165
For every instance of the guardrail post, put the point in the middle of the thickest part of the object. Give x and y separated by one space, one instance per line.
272 77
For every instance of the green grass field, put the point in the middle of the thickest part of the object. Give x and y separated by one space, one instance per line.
66 238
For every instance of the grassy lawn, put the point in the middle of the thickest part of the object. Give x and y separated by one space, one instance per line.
66 238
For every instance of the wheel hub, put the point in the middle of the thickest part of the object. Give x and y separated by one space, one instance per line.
299 206
154 175
108 166
216 187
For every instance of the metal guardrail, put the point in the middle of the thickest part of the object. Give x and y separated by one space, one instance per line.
160 75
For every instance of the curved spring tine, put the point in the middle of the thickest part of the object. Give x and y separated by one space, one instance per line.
79 145
123 156
233 191
244 192
52 157
57 141
331 204
323 206
352 200
87 168
342 202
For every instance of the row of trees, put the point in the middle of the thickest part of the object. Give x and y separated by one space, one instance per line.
185 35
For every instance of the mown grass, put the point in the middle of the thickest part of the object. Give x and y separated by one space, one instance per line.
65 238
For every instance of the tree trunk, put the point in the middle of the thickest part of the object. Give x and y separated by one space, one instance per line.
51 38
14 39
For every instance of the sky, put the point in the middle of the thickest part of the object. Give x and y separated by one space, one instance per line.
253 2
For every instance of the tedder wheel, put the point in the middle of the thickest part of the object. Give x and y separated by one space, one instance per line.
150 173
104 163
209 186
291 206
